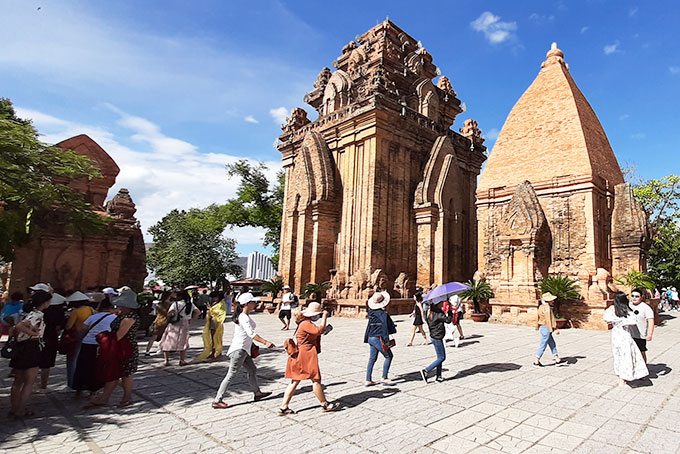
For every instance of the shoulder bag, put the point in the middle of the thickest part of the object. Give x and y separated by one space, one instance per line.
10 349
177 317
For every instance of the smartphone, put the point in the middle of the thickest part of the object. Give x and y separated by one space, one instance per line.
328 329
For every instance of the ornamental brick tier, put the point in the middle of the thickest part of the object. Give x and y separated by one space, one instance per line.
552 200
379 190
70 261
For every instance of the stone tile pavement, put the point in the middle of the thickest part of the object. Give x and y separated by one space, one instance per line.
492 401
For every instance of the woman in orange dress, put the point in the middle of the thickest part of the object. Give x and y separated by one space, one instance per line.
304 365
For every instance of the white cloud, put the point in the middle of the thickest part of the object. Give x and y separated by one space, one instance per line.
674 69
250 119
632 11
541 18
184 76
492 134
163 174
638 136
584 29
612 48
279 114
494 30
624 117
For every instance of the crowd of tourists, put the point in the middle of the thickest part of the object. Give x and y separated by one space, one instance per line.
97 333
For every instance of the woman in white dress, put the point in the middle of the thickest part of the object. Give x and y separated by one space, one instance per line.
176 335
628 362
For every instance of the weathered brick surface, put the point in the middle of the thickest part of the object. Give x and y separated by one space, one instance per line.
359 177
553 141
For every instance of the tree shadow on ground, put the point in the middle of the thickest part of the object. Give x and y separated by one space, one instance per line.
486 369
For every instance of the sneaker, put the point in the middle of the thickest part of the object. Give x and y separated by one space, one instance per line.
439 379
220 405
560 363
537 365
423 375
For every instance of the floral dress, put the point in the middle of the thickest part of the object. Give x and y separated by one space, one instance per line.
129 365
628 361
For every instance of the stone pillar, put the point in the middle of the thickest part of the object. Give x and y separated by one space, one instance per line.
426 220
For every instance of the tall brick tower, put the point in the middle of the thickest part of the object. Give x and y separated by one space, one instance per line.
379 190
545 202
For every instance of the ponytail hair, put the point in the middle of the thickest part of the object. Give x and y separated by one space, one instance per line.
237 311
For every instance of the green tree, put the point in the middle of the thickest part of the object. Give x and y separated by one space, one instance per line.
34 187
478 291
661 200
637 279
563 287
316 292
273 286
256 203
189 248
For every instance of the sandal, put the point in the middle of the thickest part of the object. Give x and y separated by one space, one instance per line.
328 406
285 411
220 405
124 403
183 363
92 405
409 344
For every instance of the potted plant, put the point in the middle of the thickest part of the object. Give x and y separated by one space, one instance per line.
479 291
565 289
274 287
316 292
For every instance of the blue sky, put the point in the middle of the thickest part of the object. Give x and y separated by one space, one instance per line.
173 90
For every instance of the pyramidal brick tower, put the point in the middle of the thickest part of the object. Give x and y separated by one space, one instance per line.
546 201
379 189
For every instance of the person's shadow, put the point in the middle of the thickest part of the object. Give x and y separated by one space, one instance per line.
572 359
654 371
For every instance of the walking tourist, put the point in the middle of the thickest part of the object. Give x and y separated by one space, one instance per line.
80 311
286 307
380 327
160 323
418 319
644 321
547 326
29 333
124 327
176 335
304 365
437 320
214 328
628 361
203 302
453 307
242 350
54 318
86 377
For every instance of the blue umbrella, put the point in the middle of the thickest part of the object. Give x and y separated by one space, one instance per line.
442 292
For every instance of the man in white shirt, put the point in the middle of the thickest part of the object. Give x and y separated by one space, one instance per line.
285 307
644 321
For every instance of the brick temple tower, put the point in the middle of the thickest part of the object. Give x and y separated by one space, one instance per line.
552 200
379 189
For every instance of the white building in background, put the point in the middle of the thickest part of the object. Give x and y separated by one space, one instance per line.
259 267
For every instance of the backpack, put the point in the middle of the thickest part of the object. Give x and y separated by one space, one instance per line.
295 302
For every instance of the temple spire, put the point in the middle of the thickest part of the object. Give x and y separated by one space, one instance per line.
554 55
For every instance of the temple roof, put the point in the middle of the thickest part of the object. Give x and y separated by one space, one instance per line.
550 132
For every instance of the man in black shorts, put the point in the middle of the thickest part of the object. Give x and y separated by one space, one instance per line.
285 307
644 320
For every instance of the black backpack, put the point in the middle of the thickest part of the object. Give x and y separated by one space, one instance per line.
295 302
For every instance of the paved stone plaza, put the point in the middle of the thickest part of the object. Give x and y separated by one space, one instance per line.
492 401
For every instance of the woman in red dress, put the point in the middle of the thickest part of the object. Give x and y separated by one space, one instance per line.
304 365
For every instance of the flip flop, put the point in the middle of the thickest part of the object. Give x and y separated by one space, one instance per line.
328 406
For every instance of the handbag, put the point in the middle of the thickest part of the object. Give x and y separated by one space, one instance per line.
391 342
254 351
68 341
290 345
177 317
11 348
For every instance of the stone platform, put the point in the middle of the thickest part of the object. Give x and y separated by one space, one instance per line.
492 401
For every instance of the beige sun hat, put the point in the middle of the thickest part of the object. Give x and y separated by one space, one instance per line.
77 296
548 297
312 310
379 300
